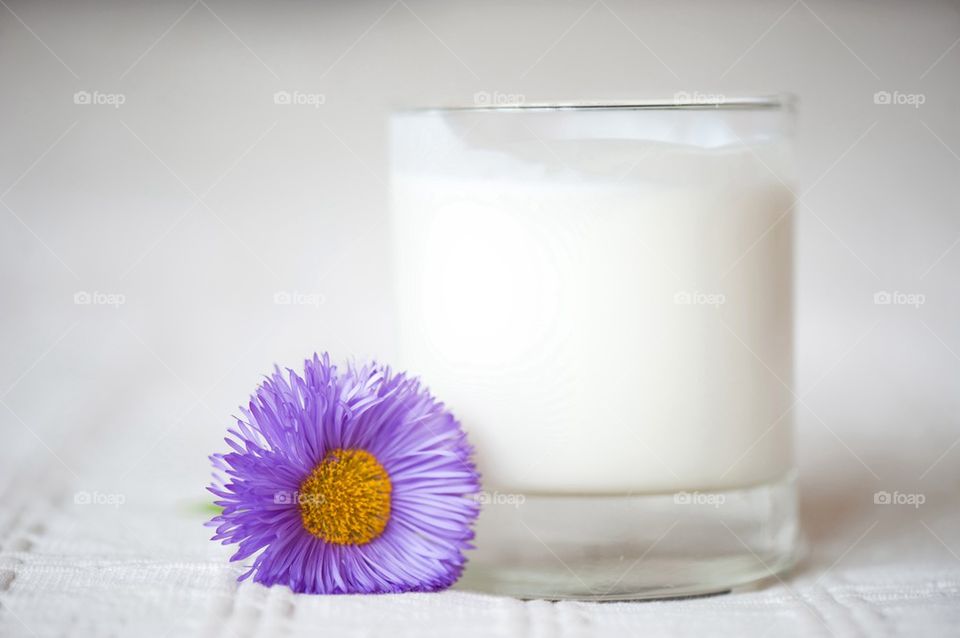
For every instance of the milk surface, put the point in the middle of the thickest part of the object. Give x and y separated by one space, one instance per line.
611 318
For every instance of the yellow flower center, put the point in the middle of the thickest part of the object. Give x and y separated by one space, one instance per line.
346 498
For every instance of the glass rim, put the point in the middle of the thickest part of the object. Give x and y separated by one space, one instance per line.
680 101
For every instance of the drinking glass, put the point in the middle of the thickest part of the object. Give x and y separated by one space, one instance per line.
602 294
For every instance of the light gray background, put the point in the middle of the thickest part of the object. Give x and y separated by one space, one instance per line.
200 198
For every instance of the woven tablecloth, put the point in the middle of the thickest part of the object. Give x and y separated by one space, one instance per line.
135 559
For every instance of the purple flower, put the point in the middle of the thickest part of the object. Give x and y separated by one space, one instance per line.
347 482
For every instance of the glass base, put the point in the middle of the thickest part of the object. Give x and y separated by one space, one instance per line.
633 547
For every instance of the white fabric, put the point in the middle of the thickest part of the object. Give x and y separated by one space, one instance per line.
145 567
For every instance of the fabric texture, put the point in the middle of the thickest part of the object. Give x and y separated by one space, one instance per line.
102 534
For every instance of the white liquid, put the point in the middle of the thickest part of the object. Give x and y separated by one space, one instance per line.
551 316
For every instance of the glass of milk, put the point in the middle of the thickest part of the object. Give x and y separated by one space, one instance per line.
602 294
